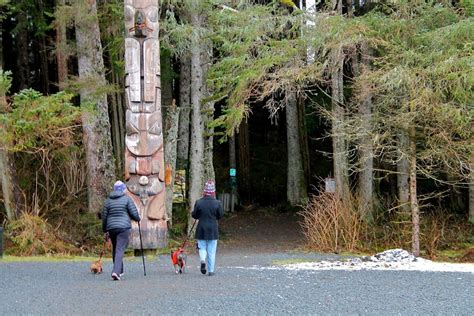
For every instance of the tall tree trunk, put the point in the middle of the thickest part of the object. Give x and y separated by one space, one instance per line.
341 165
303 135
166 80
22 53
471 190
403 172
171 135
184 114
7 166
350 9
233 179
244 162
295 185
61 57
43 55
366 175
96 124
415 210
208 117
336 5
196 155
117 126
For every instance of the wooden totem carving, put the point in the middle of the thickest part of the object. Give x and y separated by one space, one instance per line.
144 155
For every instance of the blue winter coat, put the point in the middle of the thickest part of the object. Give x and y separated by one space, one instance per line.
117 212
207 210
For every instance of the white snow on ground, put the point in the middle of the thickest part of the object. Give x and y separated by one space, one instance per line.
394 259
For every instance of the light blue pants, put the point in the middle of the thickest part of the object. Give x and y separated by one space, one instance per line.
207 250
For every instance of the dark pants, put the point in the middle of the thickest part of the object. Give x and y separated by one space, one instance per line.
119 240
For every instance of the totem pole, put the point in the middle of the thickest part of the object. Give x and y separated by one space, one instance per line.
144 164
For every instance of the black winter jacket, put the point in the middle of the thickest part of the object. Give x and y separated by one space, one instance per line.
207 210
117 212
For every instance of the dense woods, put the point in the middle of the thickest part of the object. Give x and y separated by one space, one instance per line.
375 97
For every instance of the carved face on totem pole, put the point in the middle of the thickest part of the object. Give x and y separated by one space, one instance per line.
144 156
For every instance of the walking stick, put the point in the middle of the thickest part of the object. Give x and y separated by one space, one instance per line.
141 246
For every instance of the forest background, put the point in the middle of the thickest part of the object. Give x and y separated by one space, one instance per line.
373 97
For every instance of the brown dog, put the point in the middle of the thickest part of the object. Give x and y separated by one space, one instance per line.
96 266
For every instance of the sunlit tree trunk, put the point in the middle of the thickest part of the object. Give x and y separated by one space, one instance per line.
295 185
95 122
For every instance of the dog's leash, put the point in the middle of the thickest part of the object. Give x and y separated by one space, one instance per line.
187 235
103 250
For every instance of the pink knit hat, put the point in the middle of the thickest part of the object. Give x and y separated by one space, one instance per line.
209 188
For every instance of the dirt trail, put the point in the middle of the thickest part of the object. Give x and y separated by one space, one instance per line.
260 230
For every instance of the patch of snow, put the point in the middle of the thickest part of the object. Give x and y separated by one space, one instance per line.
394 259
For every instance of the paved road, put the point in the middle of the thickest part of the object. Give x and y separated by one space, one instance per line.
240 287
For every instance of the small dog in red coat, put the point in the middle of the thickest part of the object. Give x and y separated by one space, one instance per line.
178 257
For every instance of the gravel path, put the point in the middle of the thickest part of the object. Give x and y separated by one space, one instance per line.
240 286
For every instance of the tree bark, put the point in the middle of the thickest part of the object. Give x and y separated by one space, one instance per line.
471 190
366 162
208 117
196 155
7 167
171 135
43 55
22 53
233 165
295 184
339 144
61 57
337 6
96 124
303 135
244 162
116 123
184 114
415 210
403 172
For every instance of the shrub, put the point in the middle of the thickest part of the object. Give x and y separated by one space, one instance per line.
32 235
329 225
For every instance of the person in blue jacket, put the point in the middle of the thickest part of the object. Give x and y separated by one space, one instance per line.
116 224
208 210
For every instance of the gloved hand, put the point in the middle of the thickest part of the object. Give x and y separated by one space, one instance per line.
106 236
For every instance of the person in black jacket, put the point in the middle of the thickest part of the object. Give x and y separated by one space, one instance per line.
116 214
208 210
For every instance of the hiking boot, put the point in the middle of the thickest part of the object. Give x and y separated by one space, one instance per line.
115 277
211 273
203 267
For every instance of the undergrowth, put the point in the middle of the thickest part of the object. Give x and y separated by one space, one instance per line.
329 225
